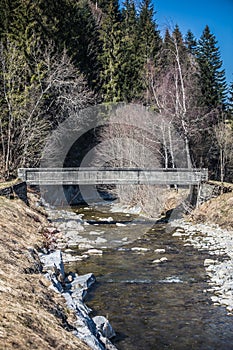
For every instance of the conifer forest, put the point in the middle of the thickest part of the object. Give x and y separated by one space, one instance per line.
58 57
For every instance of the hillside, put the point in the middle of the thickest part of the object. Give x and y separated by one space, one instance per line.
32 316
218 210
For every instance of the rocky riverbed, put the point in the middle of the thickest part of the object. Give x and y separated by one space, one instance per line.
219 243
72 239
83 236
80 238
96 331
63 235
90 239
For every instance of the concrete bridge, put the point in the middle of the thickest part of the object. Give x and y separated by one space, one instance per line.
131 176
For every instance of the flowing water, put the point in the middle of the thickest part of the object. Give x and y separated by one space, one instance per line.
153 305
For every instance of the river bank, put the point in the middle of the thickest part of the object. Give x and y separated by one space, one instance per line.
39 307
32 316
210 228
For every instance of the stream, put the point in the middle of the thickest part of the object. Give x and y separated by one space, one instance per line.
150 285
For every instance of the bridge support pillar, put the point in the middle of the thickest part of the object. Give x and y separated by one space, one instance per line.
195 191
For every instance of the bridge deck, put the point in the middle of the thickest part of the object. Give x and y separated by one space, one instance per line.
87 176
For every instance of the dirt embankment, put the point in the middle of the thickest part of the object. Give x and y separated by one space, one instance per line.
218 210
32 316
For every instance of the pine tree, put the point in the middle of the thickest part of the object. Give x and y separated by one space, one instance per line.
212 75
178 44
173 46
79 34
191 42
130 67
148 33
103 5
110 56
165 51
230 103
5 16
149 44
45 21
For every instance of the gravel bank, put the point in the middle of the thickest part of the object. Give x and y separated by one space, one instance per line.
219 269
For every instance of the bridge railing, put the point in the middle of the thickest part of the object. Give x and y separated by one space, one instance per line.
86 176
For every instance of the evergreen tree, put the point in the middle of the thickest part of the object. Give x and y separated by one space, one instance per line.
79 34
149 44
103 5
172 47
130 67
38 81
191 42
5 16
110 56
165 51
179 45
230 103
177 35
45 21
148 33
212 76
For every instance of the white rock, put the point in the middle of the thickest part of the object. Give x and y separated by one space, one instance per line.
104 327
159 250
139 249
85 256
177 234
215 299
109 219
94 252
53 260
100 240
218 242
71 258
83 246
156 261
94 233
84 281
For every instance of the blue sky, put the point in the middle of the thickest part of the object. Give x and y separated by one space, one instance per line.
195 15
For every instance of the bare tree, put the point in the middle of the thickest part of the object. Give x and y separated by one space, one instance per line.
224 137
35 98
175 92
133 139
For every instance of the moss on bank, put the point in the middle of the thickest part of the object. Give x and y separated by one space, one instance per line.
32 316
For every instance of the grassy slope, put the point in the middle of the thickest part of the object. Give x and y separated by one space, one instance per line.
217 210
29 317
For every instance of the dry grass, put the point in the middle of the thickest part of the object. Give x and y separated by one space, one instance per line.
217 210
153 200
173 198
9 183
31 315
